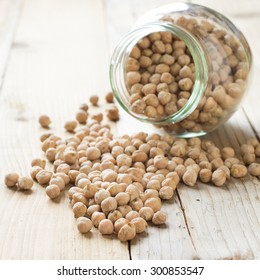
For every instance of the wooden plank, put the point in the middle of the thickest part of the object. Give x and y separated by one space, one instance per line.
9 15
58 59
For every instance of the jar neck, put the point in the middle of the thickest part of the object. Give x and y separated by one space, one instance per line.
119 62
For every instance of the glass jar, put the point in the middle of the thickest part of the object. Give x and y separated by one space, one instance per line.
182 67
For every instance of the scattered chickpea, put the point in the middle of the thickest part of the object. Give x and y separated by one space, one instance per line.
84 224
53 191
70 126
127 232
238 170
219 177
79 209
38 162
81 117
43 177
24 183
110 97
97 217
254 169
94 100
140 224
44 121
105 227
113 113
159 218
11 179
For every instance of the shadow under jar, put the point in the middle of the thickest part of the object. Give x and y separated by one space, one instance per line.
182 67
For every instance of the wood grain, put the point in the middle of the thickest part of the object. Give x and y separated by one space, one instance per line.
54 66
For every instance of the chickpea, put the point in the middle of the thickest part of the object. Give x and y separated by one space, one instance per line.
154 203
38 162
127 232
53 191
254 169
70 126
97 217
110 97
219 177
105 227
11 179
24 183
79 209
58 181
238 170
108 204
131 215
140 224
94 100
146 213
44 121
84 224
43 177
159 218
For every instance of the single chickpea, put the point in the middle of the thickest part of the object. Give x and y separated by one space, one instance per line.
82 116
43 177
146 213
140 224
11 179
58 181
227 152
84 224
119 224
219 177
238 170
131 215
51 154
114 216
84 107
166 193
24 183
159 218
190 177
109 97
113 113
93 153
254 169
101 195
122 198
70 126
97 217
93 208
79 209
127 232
38 162
44 121
53 191
105 227
205 175
154 203
94 100
79 197
98 117
108 204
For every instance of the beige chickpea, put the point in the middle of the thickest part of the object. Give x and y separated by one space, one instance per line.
254 169
154 203
97 217
127 232
11 179
44 121
238 170
79 209
159 218
101 195
93 208
205 175
140 224
146 213
122 198
114 216
58 181
190 177
109 97
81 116
108 204
166 192
119 224
219 177
93 153
43 177
24 183
94 100
113 113
84 224
79 197
105 227
53 191
38 162
131 215
70 126
124 209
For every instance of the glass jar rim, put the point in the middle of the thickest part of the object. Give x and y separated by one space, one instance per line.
121 54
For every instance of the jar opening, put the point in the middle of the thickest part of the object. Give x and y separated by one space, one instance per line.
119 61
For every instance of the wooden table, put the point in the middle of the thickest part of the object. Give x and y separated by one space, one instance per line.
53 55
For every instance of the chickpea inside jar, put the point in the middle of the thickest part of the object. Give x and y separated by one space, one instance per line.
183 67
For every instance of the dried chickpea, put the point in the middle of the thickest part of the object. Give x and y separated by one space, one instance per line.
159 218
219 177
70 126
53 191
38 162
93 153
254 169
140 224
110 97
154 203
82 116
238 170
94 100
24 183
105 227
131 215
127 232
122 198
44 121
114 216
205 175
108 204
79 209
97 217
113 113
190 177
146 213
58 181
34 171
11 179
84 224
43 177
119 224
